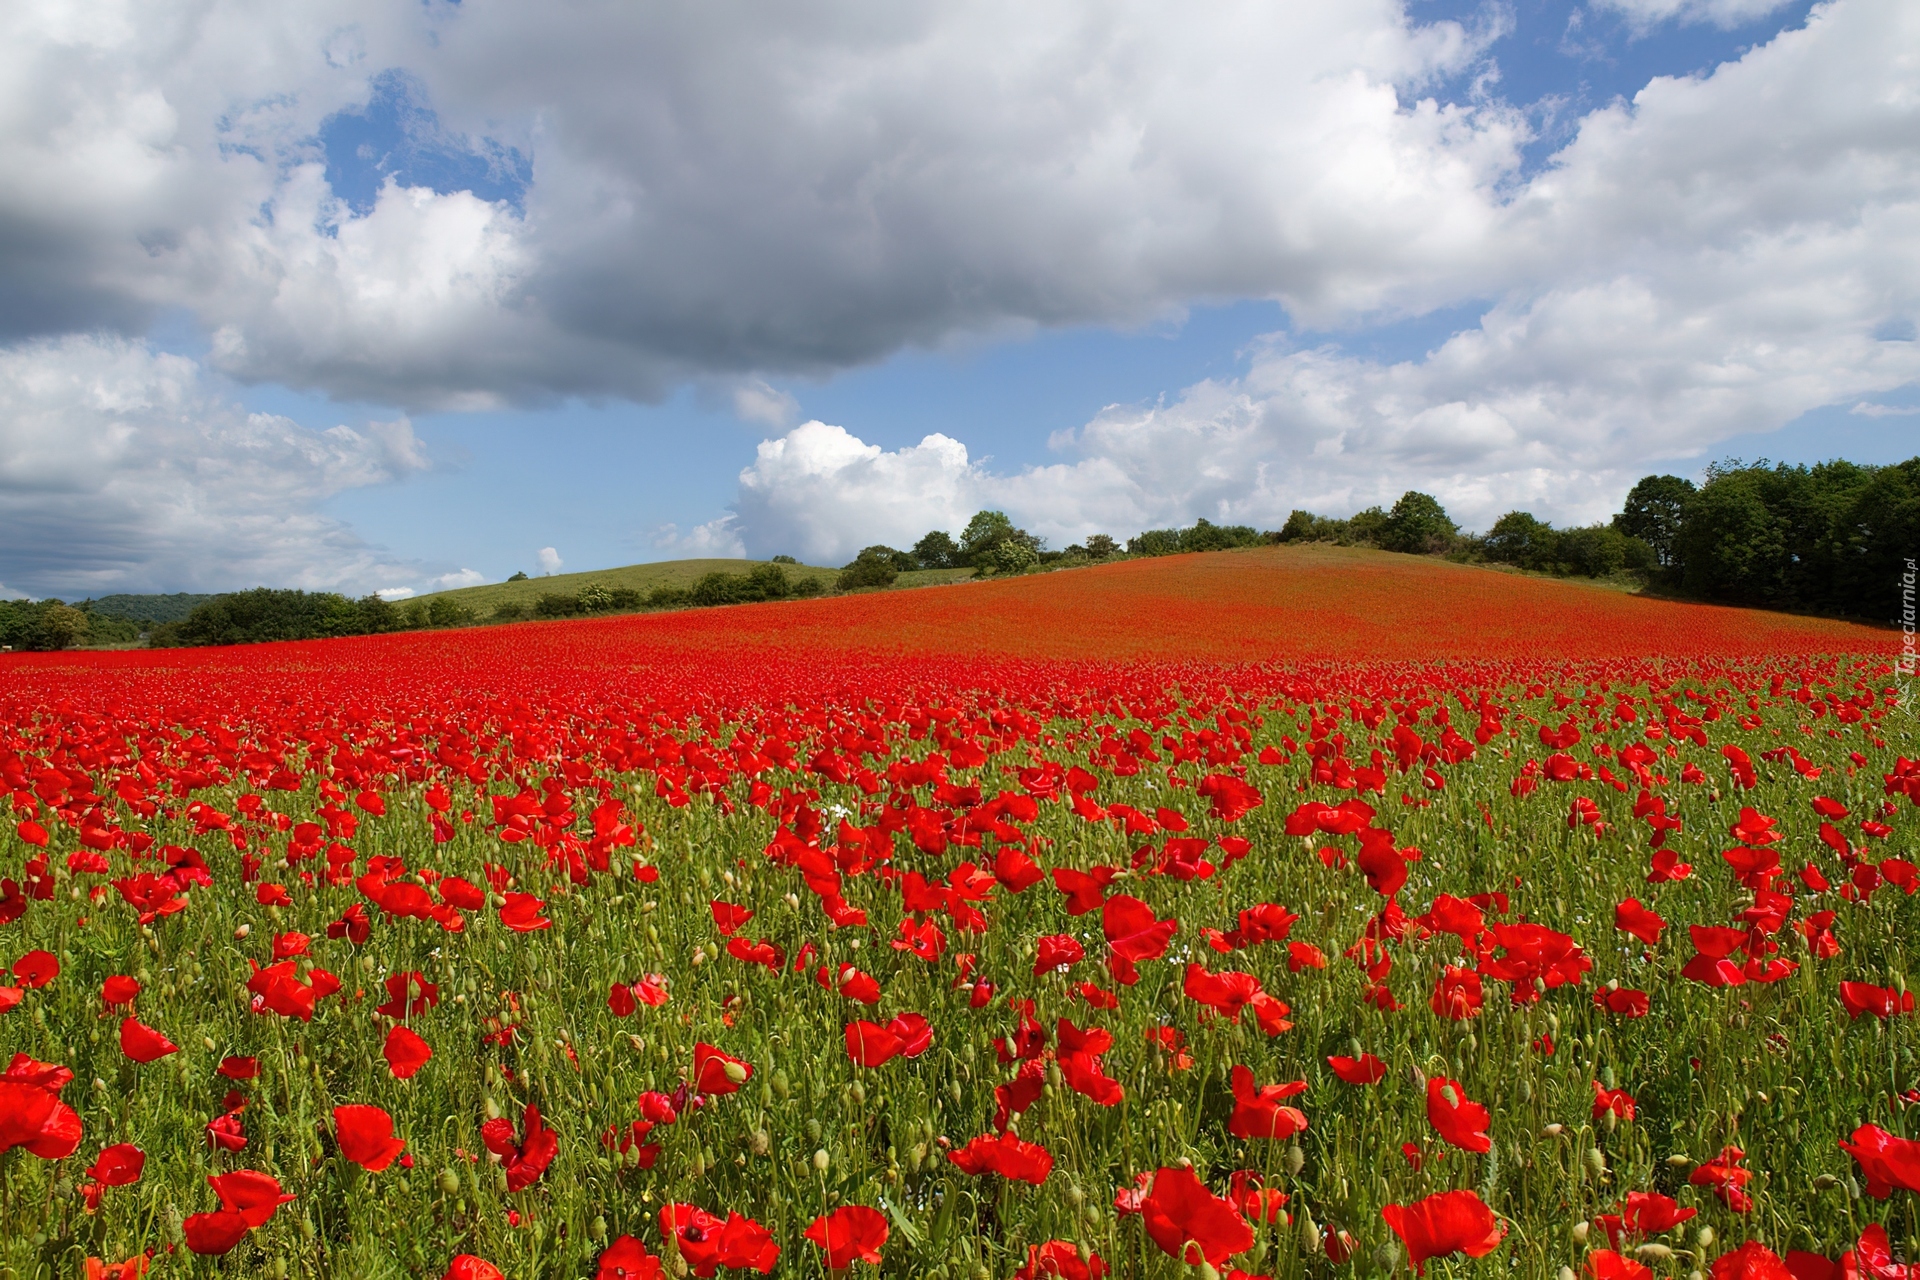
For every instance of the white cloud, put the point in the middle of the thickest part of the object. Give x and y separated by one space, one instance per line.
550 561
391 594
121 470
715 540
756 401
1645 14
1866 410
1716 258
459 578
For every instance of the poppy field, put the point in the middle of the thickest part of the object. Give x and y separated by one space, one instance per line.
936 935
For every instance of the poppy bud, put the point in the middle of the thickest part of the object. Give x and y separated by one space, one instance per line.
1679 1160
782 1087
1580 1231
1653 1251
821 1160
449 1182
1566 1273
734 1072
1554 1130
1825 1182
1296 1160
760 1142
597 1229
1597 1162
1704 1237
1387 1256
242 931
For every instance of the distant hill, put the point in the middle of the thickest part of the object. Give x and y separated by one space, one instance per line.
154 608
643 578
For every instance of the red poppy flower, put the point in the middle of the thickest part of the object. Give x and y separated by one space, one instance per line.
405 1052
1060 1260
1458 995
1005 1155
1751 1261
521 913
1604 1264
397 1005
1365 1069
627 1259
31 1112
1888 1161
717 1072
707 1243
1189 1222
36 969
1456 1118
924 939
1257 1109
1727 1179
1450 1222
1225 993
119 989
850 1233
247 1200
234 1068
1304 955
118 1166
133 1268
1256 1201
1646 1213
525 1158
1641 922
1624 1001
228 1132
1618 1101
1133 934
727 917
366 1136
1057 951
469 1266
1881 1002
142 1043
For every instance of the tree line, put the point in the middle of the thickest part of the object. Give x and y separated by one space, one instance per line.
1830 539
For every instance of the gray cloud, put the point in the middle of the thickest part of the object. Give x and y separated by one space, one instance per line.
120 470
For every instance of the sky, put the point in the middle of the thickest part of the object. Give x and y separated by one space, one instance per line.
372 297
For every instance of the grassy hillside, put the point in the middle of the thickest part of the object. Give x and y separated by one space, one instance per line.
643 578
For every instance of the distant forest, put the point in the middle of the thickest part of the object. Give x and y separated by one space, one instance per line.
1831 539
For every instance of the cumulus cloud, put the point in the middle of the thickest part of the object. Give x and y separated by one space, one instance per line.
550 561
714 191
121 470
756 401
715 539
1717 257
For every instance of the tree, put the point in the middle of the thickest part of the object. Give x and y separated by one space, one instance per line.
1100 546
937 550
1418 525
983 531
872 568
518 577
1652 513
1518 539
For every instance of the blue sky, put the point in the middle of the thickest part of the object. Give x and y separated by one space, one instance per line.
435 292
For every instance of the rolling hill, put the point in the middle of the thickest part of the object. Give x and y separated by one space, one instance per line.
643 578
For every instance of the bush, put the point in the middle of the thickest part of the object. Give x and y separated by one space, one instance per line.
1102 546
1012 556
868 571
443 612
518 577
263 614
1204 536
553 604
785 560
509 611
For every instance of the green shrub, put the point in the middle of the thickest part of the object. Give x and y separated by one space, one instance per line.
553 604
509 611
868 571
